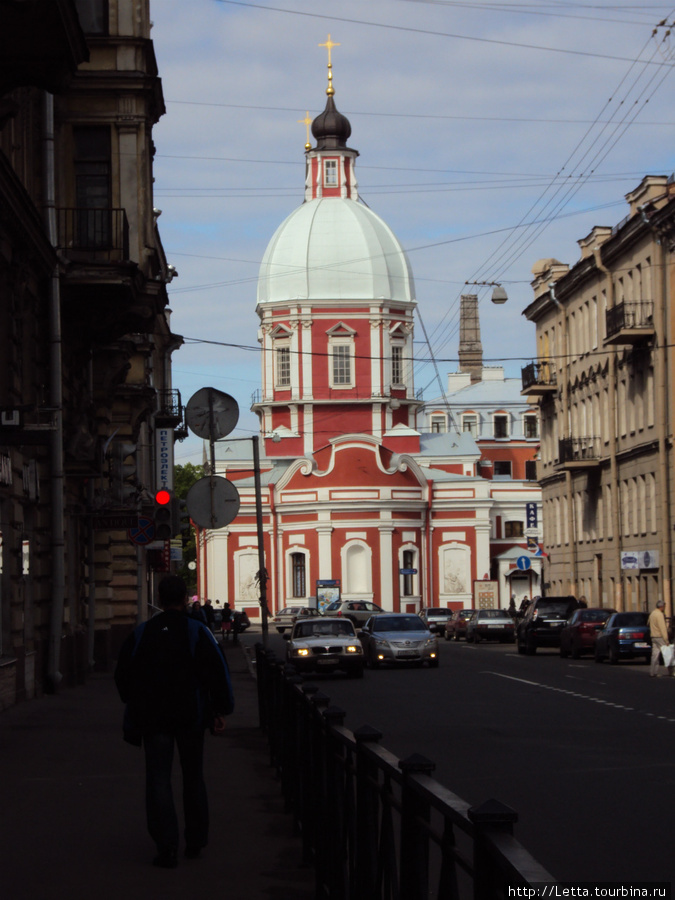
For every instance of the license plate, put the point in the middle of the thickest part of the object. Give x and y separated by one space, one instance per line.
642 645
407 654
495 626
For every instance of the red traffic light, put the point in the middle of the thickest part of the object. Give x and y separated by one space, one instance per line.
163 498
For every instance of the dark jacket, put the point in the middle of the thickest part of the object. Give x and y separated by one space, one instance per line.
172 675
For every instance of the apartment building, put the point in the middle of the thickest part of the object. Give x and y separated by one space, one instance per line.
85 336
603 379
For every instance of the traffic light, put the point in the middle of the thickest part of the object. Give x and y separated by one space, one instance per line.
122 471
162 515
180 518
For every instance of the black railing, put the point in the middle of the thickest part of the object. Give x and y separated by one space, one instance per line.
629 316
95 233
169 405
578 450
538 374
375 827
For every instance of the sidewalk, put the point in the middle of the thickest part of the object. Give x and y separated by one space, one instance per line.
72 802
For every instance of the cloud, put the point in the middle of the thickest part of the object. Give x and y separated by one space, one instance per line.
458 140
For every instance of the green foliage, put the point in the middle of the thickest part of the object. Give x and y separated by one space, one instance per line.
183 479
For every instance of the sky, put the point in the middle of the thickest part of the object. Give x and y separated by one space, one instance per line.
490 134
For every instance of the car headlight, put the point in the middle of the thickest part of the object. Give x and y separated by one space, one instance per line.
301 651
354 648
380 642
431 642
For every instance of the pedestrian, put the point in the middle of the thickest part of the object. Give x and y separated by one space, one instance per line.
209 613
512 607
581 603
173 677
659 631
227 621
196 612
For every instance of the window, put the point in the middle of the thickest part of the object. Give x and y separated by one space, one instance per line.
93 187
470 424
513 529
501 426
298 574
530 470
438 424
502 468
93 16
342 368
283 372
531 426
330 176
397 364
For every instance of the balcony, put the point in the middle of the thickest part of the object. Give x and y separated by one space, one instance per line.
169 409
579 453
91 235
539 379
630 323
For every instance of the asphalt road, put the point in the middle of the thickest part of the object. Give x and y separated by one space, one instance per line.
583 752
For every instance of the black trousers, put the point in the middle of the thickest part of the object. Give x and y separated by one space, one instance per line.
159 803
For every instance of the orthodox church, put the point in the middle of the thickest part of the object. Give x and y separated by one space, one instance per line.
359 494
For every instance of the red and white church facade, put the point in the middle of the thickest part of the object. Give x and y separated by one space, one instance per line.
357 488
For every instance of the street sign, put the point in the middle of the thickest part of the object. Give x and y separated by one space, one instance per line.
531 515
407 571
114 522
211 414
213 502
523 563
142 532
532 544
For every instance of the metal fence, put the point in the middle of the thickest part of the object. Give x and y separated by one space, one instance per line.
375 827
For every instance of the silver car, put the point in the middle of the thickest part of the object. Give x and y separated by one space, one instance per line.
285 618
358 611
324 644
398 638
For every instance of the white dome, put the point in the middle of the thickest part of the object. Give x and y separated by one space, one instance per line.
334 249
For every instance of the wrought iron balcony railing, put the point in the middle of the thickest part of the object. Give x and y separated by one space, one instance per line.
629 323
579 453
100 234
539 378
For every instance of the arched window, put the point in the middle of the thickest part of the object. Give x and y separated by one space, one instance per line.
298 577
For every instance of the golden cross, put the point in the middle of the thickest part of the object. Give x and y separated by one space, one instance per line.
329 46
307 122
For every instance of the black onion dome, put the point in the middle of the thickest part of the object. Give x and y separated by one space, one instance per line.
330 128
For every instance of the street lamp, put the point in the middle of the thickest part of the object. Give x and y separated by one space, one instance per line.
499 295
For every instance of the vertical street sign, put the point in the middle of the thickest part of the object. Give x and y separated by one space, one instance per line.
531 515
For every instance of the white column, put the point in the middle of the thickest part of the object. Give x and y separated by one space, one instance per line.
325 560
386 566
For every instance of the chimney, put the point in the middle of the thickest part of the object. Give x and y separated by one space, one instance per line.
470 347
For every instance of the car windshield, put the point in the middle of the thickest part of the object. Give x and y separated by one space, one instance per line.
630 619
316 629
399 623
554 608
492 614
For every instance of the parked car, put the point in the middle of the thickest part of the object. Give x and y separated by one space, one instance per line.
626 635
455 627
490 625
358 611
436 617
580 632
323 644
543 622
286 617
398 638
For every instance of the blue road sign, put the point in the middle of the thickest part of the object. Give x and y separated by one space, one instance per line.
523 563
142 533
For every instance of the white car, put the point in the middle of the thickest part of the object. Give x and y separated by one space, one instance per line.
286 617
324 644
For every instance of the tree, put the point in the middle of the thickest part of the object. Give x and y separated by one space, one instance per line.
183 479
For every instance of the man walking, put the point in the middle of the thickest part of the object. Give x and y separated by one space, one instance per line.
659 631
173 677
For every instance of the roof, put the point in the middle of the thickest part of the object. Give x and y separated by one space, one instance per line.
334 249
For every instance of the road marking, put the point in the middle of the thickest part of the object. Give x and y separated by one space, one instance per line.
579 696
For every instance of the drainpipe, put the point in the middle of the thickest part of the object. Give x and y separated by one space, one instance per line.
618 601
58 579
569 556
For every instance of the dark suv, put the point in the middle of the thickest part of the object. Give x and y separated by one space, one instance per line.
542 623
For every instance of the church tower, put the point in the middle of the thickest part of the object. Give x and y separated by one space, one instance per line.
336 301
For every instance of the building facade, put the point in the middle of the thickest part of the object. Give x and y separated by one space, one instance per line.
85 337
603 380
355 491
